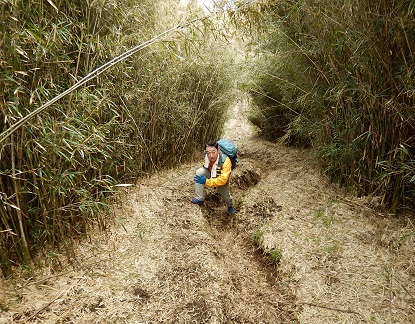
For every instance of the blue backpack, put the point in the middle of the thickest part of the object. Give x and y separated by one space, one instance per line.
228 148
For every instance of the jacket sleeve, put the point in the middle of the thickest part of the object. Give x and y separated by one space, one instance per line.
223 178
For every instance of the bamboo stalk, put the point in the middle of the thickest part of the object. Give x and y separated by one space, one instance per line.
26 254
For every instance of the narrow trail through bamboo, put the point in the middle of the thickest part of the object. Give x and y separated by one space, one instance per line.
165 260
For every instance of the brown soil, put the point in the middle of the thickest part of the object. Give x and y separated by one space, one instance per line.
166 260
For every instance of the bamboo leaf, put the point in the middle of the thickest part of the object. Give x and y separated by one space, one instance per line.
67 144
38 144
13 206
53 5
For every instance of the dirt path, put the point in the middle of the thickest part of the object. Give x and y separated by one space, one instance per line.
166 260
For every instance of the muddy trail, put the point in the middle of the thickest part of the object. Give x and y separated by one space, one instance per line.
164 260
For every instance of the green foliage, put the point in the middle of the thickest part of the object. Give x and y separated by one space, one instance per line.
343 83
275 255
280 84
59 171
256 237
326 220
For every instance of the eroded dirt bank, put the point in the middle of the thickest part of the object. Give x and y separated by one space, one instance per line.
166 260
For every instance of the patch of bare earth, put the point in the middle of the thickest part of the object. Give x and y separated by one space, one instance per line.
166 260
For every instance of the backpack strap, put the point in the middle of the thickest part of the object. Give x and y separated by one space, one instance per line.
222 158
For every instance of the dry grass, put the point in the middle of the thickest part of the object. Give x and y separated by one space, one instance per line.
347 262
166 263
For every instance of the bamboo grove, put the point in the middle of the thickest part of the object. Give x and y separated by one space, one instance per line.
334 76
338 76
59 169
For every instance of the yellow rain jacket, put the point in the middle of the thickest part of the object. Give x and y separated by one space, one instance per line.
222 174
